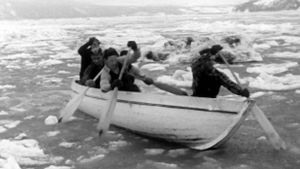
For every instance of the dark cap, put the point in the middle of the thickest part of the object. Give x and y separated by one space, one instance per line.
132 45
109 52
215 49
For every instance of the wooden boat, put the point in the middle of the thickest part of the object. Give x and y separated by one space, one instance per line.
199 123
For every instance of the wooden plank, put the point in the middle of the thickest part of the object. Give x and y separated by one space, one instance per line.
266 125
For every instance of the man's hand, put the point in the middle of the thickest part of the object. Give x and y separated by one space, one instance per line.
90 83
116 83
245 93
148 81
215 49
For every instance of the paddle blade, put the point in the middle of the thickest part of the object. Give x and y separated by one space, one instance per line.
71 107
169 88
106 117
273 136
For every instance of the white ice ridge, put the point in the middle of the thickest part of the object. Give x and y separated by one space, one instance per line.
8 124
64 55
286 55
58 167
272 68
51 120
287 39
184 79
276 83
26 152
180 78
4 87
50 62
233 26
9 163
155 66
265 45
265 2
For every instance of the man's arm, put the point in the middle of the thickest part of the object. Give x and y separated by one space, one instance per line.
105 80
136 73
86 74
132 58
227 83
83 50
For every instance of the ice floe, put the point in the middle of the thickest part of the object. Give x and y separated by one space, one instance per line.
21 136
29 117
120 37
58 167
63 72
257 94
277 83
272 68
17 109
66 144
266 45
93 158
73 65
13 67
9 163
261 46
177 152
184 79
5 87
114 145
26 152
49 62
18 56
52 133
264 81
153 151
8 124
48 81
155 67
288 39
175 82
51 120
2 113
161 165
2 129
180 78
11 124
285 55
64 55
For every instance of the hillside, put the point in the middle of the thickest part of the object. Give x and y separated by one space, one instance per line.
268 5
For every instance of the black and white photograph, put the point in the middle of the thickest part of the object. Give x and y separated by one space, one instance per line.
149 84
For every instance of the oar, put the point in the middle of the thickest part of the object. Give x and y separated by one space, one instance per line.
266 125
73 104
227 65
106 117
169 88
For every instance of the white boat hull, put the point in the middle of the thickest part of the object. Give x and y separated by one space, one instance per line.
199 123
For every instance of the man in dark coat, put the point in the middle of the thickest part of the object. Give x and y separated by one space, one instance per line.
86 51
207 80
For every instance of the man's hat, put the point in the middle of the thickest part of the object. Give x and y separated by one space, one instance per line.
215 49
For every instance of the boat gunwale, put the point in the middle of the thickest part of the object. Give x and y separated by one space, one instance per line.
91 94
167 106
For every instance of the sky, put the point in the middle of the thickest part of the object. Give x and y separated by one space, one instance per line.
168 2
